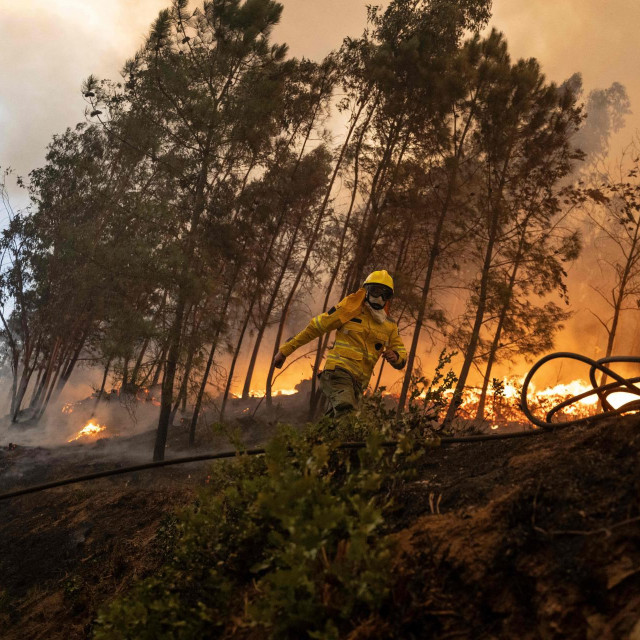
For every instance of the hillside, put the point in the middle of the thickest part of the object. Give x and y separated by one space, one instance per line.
532 538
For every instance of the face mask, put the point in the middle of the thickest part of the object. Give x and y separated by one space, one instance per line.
376 302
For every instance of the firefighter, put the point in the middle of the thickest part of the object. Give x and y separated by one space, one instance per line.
364 332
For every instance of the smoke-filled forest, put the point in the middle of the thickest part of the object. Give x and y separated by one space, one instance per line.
399 478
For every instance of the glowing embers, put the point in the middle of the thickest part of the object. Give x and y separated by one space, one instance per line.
90 430
551 396
504 407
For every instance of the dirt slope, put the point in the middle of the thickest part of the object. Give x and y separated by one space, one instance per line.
529 538
537 538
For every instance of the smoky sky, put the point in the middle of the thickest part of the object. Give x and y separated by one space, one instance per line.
47 47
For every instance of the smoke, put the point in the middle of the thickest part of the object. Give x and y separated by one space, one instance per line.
50 46
606 113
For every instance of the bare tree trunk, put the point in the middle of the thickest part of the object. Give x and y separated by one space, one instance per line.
495 343
104 382
68 369
47 377
494 225
303 265
19 393
234 360
147 340
45 404
435 251
161 364
265 320
324 340
136 367
184 386
36 386
207 369
168 379
422 309
363 248
617 309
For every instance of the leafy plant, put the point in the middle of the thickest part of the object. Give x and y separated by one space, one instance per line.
292 543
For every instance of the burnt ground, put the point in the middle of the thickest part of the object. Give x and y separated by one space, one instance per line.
526 538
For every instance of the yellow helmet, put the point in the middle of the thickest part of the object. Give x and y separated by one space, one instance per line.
380 277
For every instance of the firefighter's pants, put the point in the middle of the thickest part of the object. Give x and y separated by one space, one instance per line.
343 392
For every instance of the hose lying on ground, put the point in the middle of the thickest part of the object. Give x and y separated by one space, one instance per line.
432 442
603 391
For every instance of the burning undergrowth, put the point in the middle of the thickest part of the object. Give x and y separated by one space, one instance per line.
87 420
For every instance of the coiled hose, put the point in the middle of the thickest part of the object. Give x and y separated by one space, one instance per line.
620 384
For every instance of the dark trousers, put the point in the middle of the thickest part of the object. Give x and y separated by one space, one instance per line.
343 392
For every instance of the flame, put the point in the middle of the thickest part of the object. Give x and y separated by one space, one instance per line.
616 400
67 408
261 393
92 428
504 408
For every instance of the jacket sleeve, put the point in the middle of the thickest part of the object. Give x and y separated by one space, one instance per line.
397 345
319 325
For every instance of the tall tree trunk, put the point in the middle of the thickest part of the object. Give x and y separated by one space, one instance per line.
19 393
47 377
324 340
272 300
303 265
363 248
458 147
617 309
166 400
207 369
252 302
494 225
47 399
236 353
422 309
104 382
184 385
254 355
70 366
175 333
161 364
495 343
36 386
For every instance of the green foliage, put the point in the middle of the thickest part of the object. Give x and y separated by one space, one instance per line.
292 543
167 536
73 587
428 398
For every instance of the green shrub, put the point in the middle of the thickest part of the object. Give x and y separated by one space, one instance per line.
291 544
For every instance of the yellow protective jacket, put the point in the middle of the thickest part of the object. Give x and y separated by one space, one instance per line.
359 338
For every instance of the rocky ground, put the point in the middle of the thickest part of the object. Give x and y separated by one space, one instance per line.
530 538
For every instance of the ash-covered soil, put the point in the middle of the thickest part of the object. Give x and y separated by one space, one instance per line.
527 538
531 538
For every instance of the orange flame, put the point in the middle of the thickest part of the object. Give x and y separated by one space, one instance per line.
260 393
505 407
92 428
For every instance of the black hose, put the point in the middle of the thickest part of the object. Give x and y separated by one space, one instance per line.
432 442
621 384
602 391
